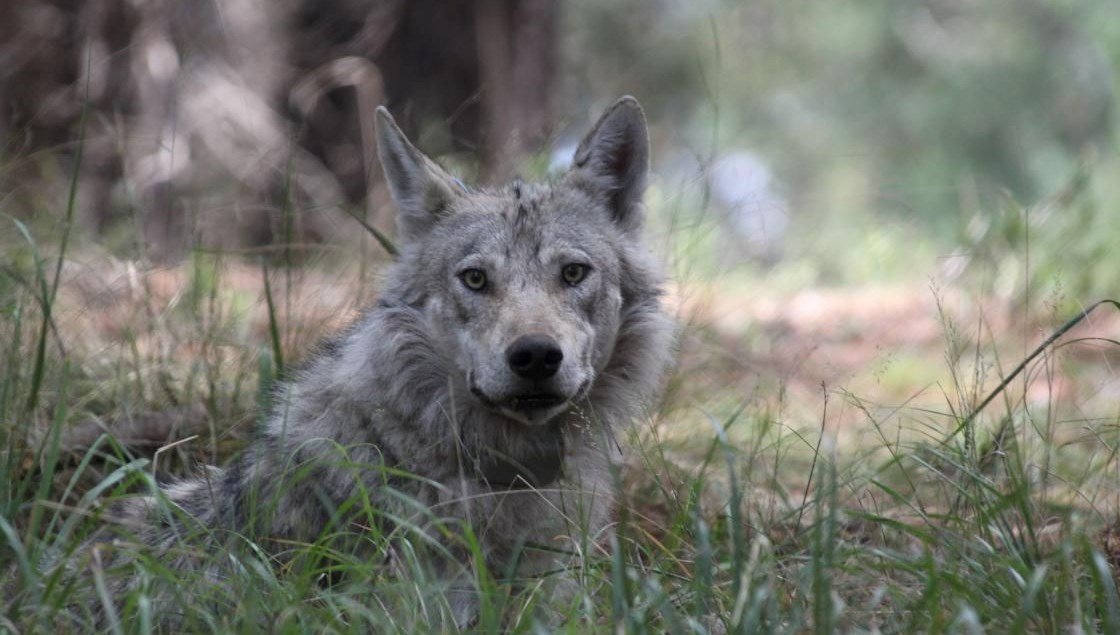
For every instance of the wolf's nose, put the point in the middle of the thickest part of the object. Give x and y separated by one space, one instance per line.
534 356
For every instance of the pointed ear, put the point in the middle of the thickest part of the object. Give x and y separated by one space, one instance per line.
612 161
420 188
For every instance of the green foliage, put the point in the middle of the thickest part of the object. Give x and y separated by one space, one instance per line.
1059 250
888 108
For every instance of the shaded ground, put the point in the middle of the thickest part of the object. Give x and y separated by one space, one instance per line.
896 345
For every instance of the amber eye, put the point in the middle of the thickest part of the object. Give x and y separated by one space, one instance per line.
573 273
474 279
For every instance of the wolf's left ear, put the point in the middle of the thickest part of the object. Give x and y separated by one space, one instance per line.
613 161
420 188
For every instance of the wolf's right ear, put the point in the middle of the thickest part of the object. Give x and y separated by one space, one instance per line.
612 161
420 188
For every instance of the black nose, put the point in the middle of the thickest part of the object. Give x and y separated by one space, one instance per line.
534 356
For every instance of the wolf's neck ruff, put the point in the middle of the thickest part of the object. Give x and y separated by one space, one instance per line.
539 467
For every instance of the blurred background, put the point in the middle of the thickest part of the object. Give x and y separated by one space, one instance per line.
839 186
913 124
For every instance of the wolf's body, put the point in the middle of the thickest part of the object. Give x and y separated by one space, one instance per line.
517 330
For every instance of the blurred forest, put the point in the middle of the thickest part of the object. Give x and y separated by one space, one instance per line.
238 123
241 109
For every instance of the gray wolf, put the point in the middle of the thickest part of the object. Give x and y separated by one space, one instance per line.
518 329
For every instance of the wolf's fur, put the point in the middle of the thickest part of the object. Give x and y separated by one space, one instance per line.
421 383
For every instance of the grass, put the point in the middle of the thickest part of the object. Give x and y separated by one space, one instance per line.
982 501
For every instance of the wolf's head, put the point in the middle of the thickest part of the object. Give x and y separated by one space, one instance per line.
523 287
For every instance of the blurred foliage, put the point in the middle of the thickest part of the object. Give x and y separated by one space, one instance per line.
884 132
1076 229
871 111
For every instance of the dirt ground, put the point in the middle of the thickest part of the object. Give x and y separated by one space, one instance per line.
890 346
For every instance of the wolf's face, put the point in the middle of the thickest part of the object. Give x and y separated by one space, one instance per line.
528 298
522 286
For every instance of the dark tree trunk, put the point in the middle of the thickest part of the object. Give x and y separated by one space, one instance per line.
517 63
191 109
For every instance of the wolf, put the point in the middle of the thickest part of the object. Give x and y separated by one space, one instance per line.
517 331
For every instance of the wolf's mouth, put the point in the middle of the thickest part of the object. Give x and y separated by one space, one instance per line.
540 401
528 405
520 403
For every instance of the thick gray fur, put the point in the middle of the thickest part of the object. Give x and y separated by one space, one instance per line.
420 383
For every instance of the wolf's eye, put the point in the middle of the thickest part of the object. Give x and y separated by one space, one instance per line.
474 279
573 273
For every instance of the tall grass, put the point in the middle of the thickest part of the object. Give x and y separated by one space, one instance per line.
912 536
981 516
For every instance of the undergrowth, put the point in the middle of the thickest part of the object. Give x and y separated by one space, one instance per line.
994 511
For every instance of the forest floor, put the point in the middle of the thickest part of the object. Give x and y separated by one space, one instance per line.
872 381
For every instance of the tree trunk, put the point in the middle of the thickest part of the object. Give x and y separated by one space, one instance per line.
517 61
